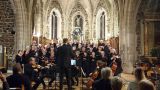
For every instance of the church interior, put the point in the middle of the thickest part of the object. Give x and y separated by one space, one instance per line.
104 30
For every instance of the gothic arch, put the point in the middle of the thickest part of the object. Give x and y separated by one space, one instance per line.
57 32
98 24
102 6
79 10
51 6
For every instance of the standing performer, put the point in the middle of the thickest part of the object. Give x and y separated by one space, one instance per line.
18 57
64 62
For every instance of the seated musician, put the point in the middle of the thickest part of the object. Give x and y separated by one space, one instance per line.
96 75
104 83
100 65
31 70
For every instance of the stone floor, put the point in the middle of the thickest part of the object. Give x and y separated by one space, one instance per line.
125 77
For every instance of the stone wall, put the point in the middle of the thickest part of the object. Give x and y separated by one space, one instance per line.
7 20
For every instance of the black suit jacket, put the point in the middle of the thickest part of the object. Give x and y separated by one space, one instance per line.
18 59
102 84
64 54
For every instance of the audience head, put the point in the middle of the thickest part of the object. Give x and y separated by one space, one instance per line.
2 77
146 85
17 68
139 74
117 83
106 73
32 61
65 40
100 64
20 52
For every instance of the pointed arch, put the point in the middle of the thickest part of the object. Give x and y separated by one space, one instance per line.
55 20
101 22
50 7
79 10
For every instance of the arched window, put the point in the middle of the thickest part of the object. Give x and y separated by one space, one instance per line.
102 26
79 22
54 26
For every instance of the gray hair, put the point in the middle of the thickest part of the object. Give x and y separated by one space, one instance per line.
146 85
106 73
117 83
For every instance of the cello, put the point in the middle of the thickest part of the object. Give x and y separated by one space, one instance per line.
95 74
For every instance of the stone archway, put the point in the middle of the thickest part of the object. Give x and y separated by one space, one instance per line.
101 7
79 10
127 23
59 24
98 27
48 8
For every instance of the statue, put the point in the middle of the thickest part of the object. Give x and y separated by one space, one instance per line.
77 21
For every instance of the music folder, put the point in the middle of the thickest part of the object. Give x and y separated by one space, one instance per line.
73 62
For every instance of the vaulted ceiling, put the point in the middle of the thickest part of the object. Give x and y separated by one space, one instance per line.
88 5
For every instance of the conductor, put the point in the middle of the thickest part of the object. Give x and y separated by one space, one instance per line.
64 63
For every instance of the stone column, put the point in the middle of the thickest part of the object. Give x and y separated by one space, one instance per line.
23 37
128 37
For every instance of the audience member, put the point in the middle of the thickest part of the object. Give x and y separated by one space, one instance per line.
139 75
105 82
117 83
5 83
146 85
17 79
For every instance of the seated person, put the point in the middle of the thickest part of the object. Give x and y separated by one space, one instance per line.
99 65
104 83
5 83
17 79
139 75
32 72
117 83
146 85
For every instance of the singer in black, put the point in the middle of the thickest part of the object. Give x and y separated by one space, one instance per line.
64 62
